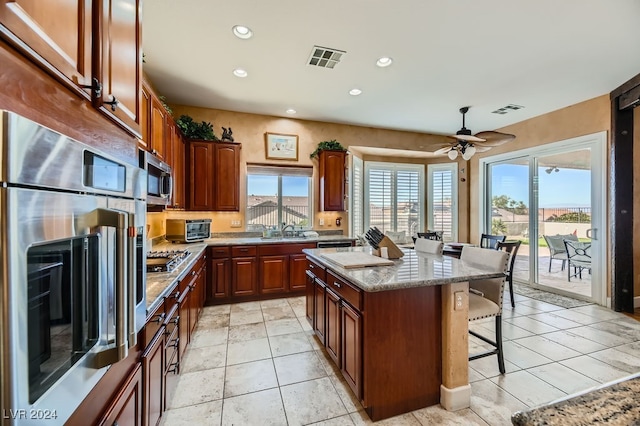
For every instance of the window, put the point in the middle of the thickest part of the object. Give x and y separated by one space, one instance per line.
442 214
393 197
357 197
277 195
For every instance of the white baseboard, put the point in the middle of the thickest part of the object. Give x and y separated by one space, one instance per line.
455 399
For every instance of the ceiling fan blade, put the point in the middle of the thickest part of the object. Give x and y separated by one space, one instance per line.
443 150
492 138
467 138
480 148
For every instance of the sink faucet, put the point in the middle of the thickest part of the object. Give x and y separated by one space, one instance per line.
285 227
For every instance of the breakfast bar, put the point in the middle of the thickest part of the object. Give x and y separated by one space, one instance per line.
398 332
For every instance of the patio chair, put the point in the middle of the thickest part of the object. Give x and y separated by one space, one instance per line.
491 241
557 250
485 297
510 247
429 235
426 245
578 256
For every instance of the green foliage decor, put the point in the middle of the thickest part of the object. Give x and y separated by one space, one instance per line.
194 130
332 145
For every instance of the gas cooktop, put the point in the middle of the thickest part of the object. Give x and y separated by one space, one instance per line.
165 261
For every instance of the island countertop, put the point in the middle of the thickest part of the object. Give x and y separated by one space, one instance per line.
415 269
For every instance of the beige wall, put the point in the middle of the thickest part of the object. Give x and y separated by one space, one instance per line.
249 130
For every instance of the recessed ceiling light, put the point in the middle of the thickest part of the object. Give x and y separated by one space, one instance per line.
291 111
239 72
355 92
242 32
384 62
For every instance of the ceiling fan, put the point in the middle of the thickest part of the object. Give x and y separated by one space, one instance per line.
467 144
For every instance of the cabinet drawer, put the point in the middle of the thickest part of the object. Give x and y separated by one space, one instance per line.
219 252
349 293
317 270
242 251
154 322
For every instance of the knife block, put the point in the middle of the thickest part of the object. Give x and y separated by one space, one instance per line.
393 250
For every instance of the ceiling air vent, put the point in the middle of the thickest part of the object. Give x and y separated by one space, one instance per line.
508 108
325 57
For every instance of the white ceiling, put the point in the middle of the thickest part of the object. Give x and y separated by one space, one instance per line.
542 54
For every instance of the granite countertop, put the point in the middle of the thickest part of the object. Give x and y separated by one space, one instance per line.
413 270
613 403
259 240
159 283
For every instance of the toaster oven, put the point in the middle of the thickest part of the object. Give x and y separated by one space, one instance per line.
188 230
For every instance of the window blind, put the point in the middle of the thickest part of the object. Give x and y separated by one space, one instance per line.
357 195
442 201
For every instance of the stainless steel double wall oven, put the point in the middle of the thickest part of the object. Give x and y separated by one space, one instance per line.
72 264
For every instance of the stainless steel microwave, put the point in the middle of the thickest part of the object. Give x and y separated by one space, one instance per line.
188 230
159 180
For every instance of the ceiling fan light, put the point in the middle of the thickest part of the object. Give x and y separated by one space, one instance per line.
466 155
453 154
470 151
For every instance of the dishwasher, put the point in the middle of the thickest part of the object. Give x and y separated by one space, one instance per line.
333 244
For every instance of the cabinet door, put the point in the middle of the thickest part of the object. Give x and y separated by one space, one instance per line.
332 180
220 278
184 322
243 276
332 332
310 297
117 60
179 175
145 117
200 176
158 127
319 318
171 357
274 274
153 375
127 407
57 31
352 348
297 272
227 177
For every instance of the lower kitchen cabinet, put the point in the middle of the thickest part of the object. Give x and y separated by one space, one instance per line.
171 354
243 276
319 294
274 276
297 271
332 330
153 374
219 275
126 409
351 347
310 299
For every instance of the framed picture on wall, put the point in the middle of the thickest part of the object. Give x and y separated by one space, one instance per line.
281 147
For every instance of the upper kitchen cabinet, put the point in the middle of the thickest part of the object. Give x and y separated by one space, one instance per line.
91 46
159 130
214 176
117 61
332 180
54 33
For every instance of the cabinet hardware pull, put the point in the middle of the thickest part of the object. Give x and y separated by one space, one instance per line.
113 102
176 295
96 87
337 284
176 319
193 273
173 368
311 266
159 318
175 343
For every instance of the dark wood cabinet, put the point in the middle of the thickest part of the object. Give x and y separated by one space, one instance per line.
56 34
219 277
153 375
332 330
274 274
244 276
92 47
145 116
310 298
178 165
226 180
214 176
126 408
171 350
297 272
200 181
158 128
332 180
320 309
351 347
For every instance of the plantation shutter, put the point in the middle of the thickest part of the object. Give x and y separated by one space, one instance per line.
443 206
357 198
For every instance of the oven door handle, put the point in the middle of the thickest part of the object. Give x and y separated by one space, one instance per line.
119 220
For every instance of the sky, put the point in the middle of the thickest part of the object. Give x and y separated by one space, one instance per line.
268 185
565 188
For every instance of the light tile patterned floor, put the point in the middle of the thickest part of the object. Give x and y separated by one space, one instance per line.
258 363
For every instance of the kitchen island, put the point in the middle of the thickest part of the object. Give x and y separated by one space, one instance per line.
398 333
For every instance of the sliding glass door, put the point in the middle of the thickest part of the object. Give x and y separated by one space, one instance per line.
551 198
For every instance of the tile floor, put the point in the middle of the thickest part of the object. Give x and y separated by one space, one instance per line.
258 363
